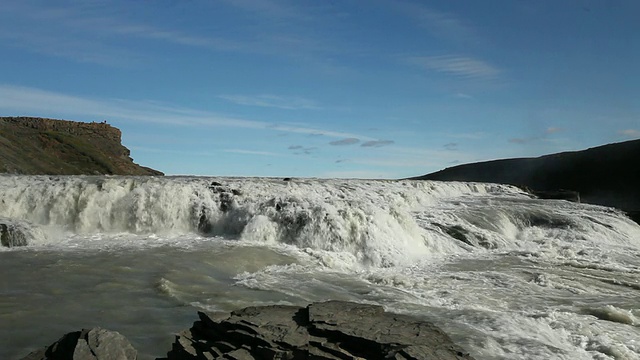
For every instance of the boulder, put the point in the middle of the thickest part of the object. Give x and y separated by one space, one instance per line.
87 344
327 330
17 233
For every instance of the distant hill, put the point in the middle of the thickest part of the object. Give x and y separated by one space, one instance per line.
58 147
606 175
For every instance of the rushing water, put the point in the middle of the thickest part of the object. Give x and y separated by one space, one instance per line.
507 276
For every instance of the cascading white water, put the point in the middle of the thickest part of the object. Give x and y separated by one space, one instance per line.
370 220
509 276
381 223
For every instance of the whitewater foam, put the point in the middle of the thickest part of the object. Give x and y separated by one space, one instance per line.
508 276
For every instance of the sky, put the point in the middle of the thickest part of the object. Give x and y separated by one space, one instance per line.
328 88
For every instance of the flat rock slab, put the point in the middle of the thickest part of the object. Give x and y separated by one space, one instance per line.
327 330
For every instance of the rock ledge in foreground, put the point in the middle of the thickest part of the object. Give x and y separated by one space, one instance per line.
328 330
88 344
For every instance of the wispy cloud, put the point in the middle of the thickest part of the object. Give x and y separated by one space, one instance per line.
77 49
630 133
266 8
469 136
347 141
251 152
377 143
451 146
544 136
32 101
177 152
438 23
463 96
299 149
274 101
553 130
96 32
520 140
175 37
458 66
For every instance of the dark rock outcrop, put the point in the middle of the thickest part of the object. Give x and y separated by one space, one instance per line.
88 344
329 330
606 175
568 195
58 147
17 233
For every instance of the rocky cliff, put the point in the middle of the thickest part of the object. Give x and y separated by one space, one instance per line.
58 147
606 175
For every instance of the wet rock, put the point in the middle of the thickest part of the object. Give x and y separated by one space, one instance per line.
634 215
568 195
16 233
328 330
88 344
225 194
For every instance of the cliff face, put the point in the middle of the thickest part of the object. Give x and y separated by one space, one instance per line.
58 147
606 175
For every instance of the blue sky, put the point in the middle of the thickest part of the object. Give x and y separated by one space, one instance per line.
366 89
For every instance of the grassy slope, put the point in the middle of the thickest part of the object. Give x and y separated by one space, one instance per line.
27 150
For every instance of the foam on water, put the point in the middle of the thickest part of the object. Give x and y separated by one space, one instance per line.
508 276
371 220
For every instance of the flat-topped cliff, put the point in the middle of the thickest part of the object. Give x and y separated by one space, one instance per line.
30 145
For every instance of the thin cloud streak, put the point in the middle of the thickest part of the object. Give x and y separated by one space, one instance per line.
553 130
76 49
270 9
30 100
543 137
439 24
344 142
97 32
89 34
458 66
451 146
177 152
630 133
273 101
377 143
251 152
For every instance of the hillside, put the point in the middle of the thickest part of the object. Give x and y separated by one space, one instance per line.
606 175
58 147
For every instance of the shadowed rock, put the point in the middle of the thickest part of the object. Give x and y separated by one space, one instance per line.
606 175
568 195
17 233
329 330
88 344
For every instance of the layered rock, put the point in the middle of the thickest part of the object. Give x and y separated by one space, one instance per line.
323 331
87 344
329 330
58 147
